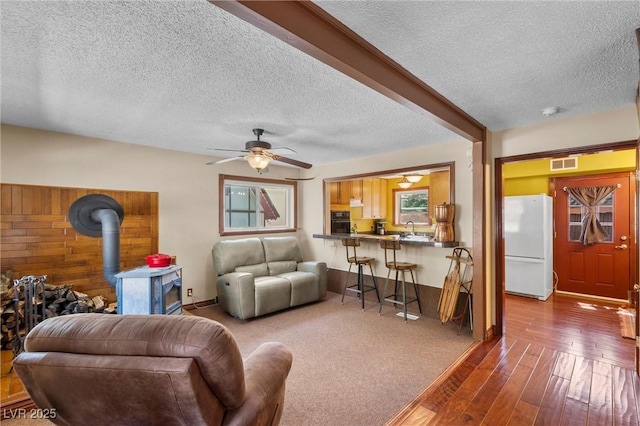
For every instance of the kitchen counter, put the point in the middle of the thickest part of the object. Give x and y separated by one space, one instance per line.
416 240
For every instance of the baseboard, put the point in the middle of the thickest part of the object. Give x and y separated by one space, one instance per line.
589 296
490 333
189 306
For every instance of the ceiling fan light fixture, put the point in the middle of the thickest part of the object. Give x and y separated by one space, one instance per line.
257 160
404 183
413 177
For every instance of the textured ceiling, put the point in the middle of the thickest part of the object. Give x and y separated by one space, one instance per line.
188 76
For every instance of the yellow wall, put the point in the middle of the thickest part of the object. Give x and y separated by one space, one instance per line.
532 177
391 185
367 225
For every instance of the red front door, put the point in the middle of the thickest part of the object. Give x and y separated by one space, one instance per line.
604 268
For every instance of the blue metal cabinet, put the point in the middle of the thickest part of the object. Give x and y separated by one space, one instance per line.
146 290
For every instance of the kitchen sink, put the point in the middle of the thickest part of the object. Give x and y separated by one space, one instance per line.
416 237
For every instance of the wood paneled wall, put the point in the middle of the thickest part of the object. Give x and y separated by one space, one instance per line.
37 238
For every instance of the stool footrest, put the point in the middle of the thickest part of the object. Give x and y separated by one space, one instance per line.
393 298
356 288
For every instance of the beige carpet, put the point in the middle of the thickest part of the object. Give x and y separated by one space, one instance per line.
627 317
350 367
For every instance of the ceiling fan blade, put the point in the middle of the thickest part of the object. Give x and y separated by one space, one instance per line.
292 162
309 178
284 148
225 160
227 150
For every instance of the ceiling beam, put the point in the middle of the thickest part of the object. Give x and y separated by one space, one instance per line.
310 29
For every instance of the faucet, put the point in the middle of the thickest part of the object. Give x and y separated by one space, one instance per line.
413 226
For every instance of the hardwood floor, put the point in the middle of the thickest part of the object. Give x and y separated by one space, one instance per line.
10 385
560 362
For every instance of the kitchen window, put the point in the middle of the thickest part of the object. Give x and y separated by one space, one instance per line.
411 205
252 206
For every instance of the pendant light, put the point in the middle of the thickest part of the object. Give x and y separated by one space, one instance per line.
404 183
413 177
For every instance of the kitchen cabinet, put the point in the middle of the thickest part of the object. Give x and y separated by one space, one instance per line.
438 190
374 198
344 191
356 189
334 190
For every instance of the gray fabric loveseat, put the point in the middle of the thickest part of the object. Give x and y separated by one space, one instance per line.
257 276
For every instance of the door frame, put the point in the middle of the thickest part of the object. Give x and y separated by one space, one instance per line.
499 295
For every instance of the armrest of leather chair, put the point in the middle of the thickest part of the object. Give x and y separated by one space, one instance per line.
318 268
266 370
236 294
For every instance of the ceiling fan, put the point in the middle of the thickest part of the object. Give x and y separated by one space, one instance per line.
259 154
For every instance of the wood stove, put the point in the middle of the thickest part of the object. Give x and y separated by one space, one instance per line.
146 290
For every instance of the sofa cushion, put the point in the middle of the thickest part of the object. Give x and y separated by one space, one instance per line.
272 294
229 254
282 248
259 270
304 287
282 266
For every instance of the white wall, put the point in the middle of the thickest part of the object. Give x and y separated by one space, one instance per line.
609 126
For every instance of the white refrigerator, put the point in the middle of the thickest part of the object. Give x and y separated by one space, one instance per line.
528 242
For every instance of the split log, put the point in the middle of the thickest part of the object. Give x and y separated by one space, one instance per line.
98 303
57 299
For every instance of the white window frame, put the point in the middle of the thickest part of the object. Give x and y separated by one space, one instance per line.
289 212
397 194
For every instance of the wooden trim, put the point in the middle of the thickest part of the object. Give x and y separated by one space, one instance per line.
498 236
310 29
490 334
589 149
221 182
191 306
479 205
379 173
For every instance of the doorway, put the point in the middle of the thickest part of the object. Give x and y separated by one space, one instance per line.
501 191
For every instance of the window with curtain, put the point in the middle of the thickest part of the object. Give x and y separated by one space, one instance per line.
591 214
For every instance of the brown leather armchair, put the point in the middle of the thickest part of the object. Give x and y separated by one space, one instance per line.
150 370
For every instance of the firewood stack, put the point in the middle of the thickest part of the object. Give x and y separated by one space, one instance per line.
58 300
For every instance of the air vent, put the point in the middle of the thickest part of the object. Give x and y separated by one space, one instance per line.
568 163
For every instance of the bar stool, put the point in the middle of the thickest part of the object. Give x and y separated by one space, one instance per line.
359 287
394 265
